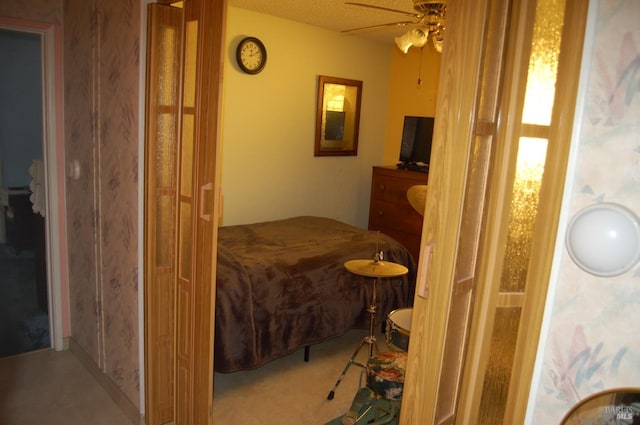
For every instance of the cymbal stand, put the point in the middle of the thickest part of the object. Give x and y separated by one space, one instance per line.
369 340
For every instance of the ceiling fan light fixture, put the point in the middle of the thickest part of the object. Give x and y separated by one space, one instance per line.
438 39
421 38
415 37
430 21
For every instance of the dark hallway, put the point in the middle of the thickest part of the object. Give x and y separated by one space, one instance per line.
24 322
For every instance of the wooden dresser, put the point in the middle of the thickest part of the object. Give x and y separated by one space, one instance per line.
390 211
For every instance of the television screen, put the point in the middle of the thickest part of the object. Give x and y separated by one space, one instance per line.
416 140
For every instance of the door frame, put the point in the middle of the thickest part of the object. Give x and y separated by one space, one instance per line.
54 159
142 90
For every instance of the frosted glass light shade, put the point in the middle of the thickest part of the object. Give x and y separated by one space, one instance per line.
604 239
415 37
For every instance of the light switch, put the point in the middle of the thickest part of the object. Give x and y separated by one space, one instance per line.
73 169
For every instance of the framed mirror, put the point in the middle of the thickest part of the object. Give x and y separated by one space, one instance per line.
337 116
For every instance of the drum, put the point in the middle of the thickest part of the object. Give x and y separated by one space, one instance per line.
399 328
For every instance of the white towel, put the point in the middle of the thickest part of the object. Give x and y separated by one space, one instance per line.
37 186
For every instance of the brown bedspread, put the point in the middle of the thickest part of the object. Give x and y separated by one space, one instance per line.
282 285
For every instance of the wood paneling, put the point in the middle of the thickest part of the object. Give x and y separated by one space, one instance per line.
161 143
180 308
483 38
460 70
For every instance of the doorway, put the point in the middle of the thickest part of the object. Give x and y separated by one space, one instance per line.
51 247
24 303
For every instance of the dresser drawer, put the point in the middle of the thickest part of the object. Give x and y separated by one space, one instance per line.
389 215
390 211
392 187
389 189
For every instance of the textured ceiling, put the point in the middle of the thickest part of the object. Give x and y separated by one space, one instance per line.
335 14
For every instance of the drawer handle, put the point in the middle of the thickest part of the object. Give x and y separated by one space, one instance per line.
380 213
382 187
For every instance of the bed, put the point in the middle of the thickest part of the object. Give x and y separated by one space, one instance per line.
282 286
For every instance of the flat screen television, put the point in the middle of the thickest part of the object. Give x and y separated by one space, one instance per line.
415 149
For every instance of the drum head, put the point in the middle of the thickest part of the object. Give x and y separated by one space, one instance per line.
401 318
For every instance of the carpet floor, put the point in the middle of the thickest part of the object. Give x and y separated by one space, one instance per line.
290 391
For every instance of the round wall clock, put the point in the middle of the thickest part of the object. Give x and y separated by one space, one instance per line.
251 55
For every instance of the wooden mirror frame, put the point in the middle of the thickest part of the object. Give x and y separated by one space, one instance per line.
344 118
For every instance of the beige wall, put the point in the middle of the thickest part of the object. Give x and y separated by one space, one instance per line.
413 90
268 168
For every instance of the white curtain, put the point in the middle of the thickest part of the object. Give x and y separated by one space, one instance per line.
37 186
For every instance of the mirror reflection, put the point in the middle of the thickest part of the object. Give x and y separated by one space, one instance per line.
338 116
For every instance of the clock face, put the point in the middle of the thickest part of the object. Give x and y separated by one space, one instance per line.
251 55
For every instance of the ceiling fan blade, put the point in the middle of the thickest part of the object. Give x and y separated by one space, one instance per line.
380 26
386 9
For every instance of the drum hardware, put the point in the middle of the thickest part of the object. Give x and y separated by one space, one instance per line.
379 402
367 408
398 329
376 268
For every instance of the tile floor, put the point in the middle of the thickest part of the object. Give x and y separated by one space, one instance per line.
53 388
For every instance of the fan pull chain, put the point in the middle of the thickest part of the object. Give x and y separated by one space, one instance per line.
420 67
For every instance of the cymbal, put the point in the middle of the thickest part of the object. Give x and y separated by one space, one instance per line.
373 268
417 197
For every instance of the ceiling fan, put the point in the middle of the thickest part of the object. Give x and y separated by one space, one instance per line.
429 18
